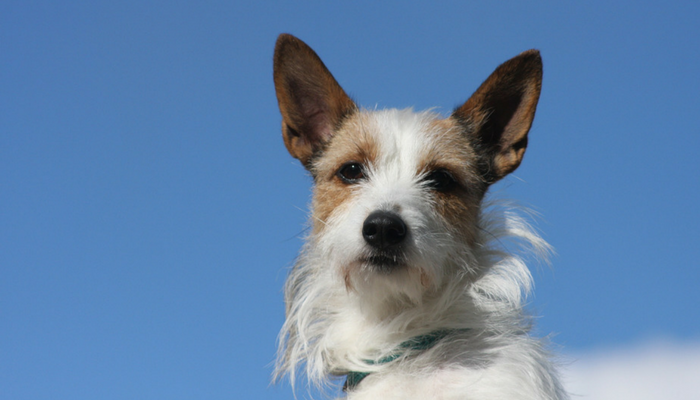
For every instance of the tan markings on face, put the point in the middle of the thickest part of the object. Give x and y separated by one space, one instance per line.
353 142
450 150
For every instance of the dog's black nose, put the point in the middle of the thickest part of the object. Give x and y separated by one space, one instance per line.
383 230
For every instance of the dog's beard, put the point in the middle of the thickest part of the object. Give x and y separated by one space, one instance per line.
382 289
387 281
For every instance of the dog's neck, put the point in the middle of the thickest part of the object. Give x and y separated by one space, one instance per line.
416 344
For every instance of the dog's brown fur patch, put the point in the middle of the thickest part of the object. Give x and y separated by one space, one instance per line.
451 150
352 143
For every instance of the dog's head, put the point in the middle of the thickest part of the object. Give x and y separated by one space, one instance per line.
397 193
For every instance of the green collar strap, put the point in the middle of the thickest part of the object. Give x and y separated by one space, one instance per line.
418 343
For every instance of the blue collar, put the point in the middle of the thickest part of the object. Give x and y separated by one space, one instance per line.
417 343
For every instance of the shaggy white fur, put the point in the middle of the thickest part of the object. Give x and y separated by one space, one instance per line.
408 285
342 313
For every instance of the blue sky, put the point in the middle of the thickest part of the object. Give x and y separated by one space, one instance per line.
149 210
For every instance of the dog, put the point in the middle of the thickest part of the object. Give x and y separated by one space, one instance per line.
404 288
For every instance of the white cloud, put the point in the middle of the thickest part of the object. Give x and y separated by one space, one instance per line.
658 370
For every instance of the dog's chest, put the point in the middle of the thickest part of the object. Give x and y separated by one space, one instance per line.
500 378
455 384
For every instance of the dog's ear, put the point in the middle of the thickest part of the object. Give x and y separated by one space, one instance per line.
499 114
312 103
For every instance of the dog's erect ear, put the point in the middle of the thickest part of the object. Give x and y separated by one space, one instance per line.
499 114
312 103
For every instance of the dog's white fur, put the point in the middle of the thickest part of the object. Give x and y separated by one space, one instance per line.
341 312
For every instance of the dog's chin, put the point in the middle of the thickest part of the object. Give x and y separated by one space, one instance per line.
386 283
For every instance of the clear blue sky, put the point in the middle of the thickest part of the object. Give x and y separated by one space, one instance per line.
148 209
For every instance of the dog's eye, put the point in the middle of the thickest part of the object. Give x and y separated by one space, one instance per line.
440 180
351 172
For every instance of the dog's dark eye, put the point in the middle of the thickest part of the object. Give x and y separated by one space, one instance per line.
351 172
440 180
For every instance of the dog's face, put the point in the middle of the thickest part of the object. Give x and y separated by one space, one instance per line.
397 193
396 197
